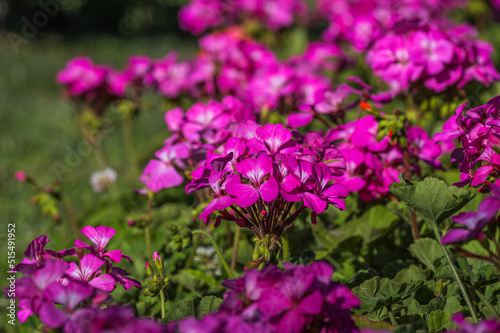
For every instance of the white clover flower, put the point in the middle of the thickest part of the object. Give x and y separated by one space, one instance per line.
101 180
207 258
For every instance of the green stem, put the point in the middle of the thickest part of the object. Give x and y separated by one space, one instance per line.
487 303
147 235
455 274
129 144
162 304
219 254
99 156
236 242
414 221
189 261
71 215
286 247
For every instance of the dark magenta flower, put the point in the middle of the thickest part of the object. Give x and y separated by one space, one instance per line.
37 254
256 170
478 131
299 299
88 271
219 182
100 237
161 173
69 296
325 193
272 139
475 222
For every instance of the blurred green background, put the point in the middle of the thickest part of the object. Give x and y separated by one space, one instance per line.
39 128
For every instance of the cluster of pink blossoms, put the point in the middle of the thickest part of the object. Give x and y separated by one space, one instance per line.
436 56
478 133
262 171
229 64
372 166
201 15
198 132
50 280
361 22
299 299
90 86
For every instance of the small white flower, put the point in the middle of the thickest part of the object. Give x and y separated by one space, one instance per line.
101 180
207 258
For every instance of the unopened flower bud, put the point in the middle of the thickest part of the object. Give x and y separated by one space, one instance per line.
158 261
21 176
176 247
255 255
186 242
148 269
267 255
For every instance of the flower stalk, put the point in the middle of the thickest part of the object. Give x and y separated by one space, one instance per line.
461 285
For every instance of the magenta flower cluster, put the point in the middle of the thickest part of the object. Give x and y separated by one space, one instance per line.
361 22
260 172
371 165
478 132
76 287
299 299
229 64
201 15
436 56
92 87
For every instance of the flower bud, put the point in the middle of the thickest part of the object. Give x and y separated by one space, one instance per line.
186 242
21 176
148 269
176 246
267 254
167 281
255 255
158 261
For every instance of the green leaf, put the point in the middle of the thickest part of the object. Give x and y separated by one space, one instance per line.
379 217
196 307
360 277
197 281
439 320
182 309
484 272
207 305
445 272
410 274
338 240
453 305
428 251
376 293
367 294
431 198
364 322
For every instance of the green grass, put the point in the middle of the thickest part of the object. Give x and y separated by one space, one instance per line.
37 129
